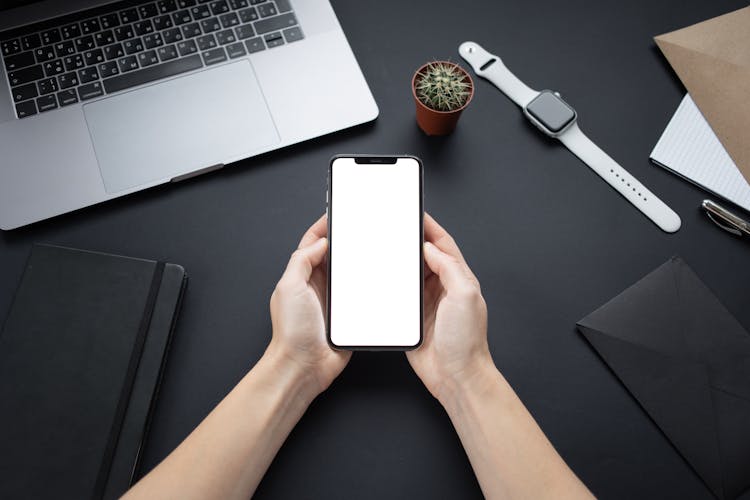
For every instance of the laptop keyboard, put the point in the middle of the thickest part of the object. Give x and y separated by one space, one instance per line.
105 50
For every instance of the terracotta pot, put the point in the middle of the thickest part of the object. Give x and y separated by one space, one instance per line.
431 121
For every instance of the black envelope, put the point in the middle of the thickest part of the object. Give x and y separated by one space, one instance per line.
686 360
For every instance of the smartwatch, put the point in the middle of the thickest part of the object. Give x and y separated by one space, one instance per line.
556 118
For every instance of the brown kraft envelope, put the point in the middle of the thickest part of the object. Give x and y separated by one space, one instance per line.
712 58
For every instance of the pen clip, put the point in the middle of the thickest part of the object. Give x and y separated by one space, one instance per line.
726 228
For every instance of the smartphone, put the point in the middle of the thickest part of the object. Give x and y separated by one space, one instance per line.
375 266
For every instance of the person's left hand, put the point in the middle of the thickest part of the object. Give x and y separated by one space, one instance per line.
297 311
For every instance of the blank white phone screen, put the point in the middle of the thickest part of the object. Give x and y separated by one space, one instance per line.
376 258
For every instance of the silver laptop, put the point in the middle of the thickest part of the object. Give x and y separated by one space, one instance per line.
100 99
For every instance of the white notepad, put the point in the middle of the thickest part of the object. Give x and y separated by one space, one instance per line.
689 148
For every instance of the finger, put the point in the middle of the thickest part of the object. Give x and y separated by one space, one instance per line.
318 230
305 259
454 275
435 234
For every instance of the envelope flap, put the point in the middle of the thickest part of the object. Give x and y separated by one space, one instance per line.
712 335
644 314
712 59
725 37
676 395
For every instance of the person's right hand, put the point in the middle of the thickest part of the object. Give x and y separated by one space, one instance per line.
455 348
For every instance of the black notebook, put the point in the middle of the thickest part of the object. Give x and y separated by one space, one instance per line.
81 356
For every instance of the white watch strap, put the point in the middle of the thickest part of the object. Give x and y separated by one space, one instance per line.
619 178
497 73
491 67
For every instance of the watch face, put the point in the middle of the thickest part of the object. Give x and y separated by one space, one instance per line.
551 111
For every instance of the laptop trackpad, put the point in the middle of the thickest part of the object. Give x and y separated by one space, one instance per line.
178 126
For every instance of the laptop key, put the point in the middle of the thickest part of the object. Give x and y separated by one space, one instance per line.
210 25
148 10
10 47
19 61
248 15
113 51
104 38
167 52
90 26
143 27
24 92
67 97
24 109
55 67
152 41
214 56
85 43
129 63
25 75
256 2
46 103
255 45
283 5
51 36
90 91
109 21
66 48
47 86
156 72
187 47
191 30
238 4
74 62
128 16
43 54
225 37
124 33
68 80
229 20
87 75
267 10
293 34
274 40
245 31
200 12
148 58
70 31
166 6
172 35
95 56
236 50
206 42
181 17
132 46
32 41
219 7
275 23
163 22
183 4
108 69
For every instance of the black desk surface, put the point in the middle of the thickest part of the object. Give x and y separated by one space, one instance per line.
548 239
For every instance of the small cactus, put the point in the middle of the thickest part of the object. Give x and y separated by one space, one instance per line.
442 86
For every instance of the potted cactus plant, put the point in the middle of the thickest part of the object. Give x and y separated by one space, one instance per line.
441 91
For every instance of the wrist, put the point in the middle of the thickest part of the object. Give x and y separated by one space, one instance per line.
480 379
285 374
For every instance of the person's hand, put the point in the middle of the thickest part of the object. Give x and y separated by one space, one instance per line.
455 348
297 311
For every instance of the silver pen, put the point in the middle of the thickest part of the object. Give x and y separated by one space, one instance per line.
726 219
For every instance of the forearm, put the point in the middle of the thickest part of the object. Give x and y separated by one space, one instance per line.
228 453
509 453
